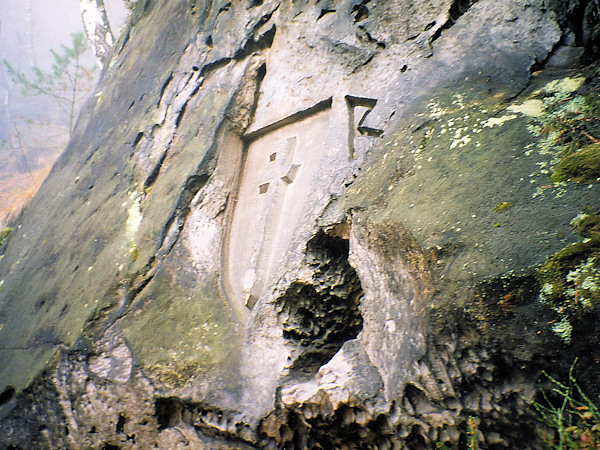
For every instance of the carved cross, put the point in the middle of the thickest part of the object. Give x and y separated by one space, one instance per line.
280 172
280 168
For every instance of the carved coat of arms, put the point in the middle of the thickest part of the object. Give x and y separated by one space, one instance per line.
278 167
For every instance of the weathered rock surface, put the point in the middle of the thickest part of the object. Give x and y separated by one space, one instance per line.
308 225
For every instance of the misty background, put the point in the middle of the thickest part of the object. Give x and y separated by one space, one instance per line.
34 129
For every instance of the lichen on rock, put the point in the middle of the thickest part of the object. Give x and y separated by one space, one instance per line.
570 278
328 224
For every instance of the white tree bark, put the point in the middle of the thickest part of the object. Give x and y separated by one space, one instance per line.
97 28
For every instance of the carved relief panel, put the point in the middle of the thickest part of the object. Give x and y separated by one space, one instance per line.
279 164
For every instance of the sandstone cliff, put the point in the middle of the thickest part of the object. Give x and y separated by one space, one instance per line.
313 224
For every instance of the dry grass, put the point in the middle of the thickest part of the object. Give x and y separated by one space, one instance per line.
17 190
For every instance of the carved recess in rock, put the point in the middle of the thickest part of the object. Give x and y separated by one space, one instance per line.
279 164
318 317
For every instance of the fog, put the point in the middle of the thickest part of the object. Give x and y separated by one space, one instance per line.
34 129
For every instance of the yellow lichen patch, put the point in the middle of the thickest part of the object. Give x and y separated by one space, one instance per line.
531 108
565 85
493 121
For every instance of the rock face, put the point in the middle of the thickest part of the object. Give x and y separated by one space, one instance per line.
312 225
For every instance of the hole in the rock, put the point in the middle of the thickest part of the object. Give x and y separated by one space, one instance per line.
319 317
462 440
415 439
7 395
324 12
413 394
93 430
110 447
361 13
209 41
168 412
263 188
120 423
463 5
137 139
348 427
459 7
429 26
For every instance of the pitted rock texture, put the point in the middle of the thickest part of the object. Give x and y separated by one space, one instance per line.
277 226
321 315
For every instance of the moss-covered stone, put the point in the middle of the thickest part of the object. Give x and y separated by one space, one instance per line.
177 335
589 225
582 166
570 278
468 174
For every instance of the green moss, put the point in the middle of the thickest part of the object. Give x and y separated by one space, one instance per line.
589 225
556 267
567 123
501 207
176 335
582 166
4 234
570 278
592 102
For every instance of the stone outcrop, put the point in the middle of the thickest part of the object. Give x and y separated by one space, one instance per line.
312 225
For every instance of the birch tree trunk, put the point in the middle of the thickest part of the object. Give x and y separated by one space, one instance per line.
97 28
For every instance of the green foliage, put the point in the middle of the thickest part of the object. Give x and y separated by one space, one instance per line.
67 82
570 418
472 433
570 278
472 436
46 83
